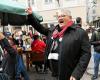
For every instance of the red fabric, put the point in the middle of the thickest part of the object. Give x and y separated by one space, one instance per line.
38 46
64 28
15 47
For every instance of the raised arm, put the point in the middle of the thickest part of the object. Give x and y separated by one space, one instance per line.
35 23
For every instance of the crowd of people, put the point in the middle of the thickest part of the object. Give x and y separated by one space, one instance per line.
67 48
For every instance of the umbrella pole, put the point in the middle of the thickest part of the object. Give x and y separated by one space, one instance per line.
29 5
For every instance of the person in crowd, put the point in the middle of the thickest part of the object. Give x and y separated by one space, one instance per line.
95 41
21 71
38 47
79 21
69 41
90 30
20 41
9 58
13 64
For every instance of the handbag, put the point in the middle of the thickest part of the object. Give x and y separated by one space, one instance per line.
53 56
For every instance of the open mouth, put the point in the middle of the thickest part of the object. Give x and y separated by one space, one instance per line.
61 21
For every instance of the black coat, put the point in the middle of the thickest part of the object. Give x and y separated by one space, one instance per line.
74 53
95 41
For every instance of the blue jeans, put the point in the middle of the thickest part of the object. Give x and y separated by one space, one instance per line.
96 63
21 69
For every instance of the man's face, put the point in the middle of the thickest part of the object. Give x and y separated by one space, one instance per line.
63 18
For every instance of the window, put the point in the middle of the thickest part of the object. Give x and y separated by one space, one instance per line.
48 1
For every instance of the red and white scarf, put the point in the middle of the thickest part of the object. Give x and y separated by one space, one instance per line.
57 34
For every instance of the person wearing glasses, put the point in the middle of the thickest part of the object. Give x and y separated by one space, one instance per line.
70 42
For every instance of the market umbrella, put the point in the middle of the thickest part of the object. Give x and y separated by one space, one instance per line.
12 12
13 19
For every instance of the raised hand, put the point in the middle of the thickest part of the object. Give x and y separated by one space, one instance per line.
29 10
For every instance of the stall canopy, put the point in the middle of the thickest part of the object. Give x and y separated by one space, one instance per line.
13 19
13 13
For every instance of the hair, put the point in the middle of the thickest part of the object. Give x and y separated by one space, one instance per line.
67 12
78 19
36 37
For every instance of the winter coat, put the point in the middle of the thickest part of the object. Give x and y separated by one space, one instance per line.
74 52
38 46
95 41
9 60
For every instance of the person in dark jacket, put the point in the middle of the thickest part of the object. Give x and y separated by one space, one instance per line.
79 21
70 42
20 66
95 41
12 63
9 60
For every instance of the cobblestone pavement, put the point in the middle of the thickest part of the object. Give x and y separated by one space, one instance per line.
40 76
87 76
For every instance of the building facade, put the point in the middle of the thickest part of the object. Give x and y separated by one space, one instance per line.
48 8
96 21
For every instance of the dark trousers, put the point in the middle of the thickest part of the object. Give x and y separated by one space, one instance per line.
54 67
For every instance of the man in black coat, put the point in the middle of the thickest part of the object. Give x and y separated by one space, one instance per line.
72 44
95 41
